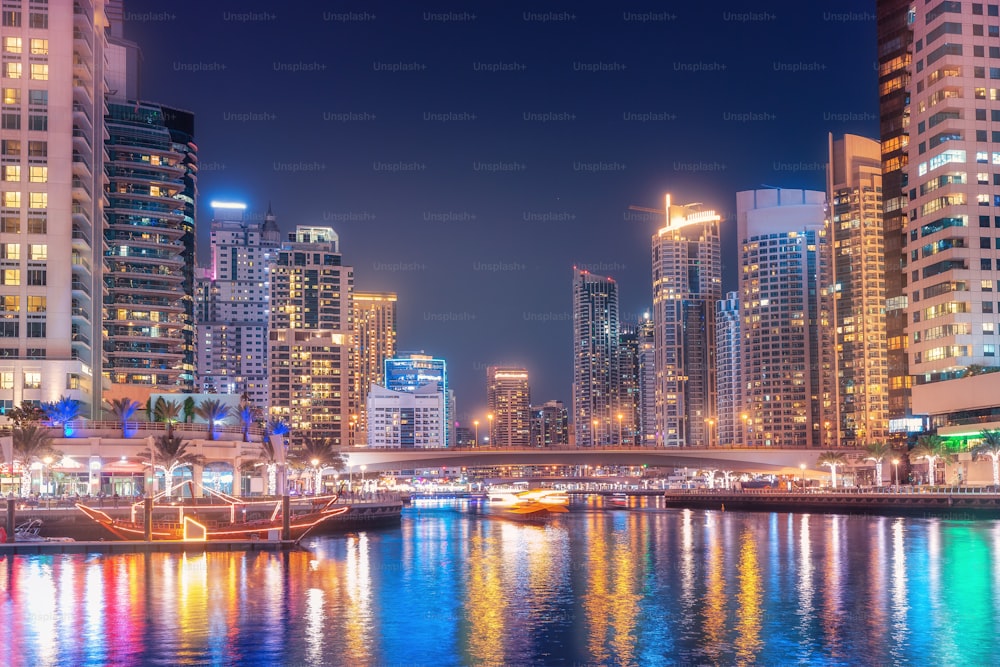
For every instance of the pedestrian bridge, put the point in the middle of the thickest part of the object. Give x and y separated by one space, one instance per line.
744 459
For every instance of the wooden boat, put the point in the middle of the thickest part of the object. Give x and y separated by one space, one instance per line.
224 517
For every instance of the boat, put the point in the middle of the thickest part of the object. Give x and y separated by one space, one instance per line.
519 502
30 531
617 501
223 517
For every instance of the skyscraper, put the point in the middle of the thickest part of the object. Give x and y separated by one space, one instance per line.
949 186
596 369
549 424
687 283
647 383
406 419
51 201
786 311
629 380
509 401
728 373
149 268
310 336
233 301
854 190
374 342
895 49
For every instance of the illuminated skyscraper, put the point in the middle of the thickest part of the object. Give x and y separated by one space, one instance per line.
509 401
596 366
51 201
374 342
629 380
233 304
647 383
728 373
950 175
549 424
895 53
788 361
310 336
687 283
854 190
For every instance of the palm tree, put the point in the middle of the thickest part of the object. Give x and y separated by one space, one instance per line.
188 409
31 443
877 451
167 411
123 409
27 413
932 448
213 410
319 453
246 415
62 413
277 427
990 447
269 459
831 460
170 453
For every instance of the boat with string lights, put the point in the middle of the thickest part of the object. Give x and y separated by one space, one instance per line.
527 503
219 516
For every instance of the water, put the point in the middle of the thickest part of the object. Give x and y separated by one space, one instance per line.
649 586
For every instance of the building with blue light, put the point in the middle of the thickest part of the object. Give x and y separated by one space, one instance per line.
410 371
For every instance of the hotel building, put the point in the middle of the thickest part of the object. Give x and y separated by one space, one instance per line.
374 342
509 401
406 419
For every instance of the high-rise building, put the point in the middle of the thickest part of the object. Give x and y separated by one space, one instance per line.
788 359
509 401
149 266
950 183
629 377
687 283
647 383
310 336
406 419
895 52
413 370
233 303
51 201
374 342
549 424
728 376
596 368
854 191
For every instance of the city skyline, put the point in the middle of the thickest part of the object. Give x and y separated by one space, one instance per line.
592 138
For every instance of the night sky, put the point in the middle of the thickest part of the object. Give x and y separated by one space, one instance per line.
468 156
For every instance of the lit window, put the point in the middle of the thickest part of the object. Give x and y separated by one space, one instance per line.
39 72
11 199
12 172
39 47
39 174
36 304
38 200
11 276
11 95
12 44
32 380
39 251
10 251
12 70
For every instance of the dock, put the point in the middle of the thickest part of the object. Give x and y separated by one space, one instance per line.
142 547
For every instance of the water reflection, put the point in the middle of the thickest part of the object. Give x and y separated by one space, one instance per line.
642 587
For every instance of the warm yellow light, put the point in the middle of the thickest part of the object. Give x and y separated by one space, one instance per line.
315 462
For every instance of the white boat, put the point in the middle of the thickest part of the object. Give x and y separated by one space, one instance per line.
30 531
519 500
617 501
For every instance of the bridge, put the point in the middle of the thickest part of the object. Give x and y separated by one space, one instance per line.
742 459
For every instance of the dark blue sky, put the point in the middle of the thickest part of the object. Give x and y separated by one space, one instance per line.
470 156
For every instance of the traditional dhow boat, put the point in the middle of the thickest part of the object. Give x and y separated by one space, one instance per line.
223 517
536 504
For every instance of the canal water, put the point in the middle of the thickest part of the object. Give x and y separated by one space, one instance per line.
455 585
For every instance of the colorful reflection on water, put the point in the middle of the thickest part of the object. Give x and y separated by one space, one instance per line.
452 586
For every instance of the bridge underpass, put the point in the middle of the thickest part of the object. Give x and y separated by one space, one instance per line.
773 461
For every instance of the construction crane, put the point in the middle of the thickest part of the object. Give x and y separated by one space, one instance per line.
663 211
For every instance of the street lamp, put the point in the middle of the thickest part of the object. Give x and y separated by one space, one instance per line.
620 418
475 422
711 422
316 475
802 467
490 418
746 428
895 467
593 435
